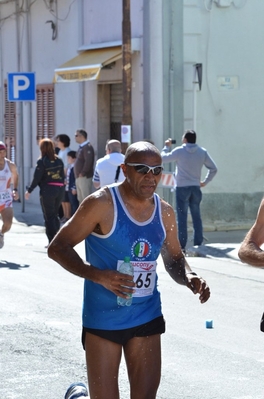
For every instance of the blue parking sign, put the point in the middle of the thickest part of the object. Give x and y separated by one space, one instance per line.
21 86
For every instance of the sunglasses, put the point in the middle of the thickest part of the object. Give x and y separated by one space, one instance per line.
144 169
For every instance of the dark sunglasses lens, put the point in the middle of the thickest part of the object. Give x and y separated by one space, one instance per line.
157 170
142 169
145 169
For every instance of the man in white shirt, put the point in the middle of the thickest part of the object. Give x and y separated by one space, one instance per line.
107 169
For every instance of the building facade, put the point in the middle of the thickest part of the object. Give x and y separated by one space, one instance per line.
75 50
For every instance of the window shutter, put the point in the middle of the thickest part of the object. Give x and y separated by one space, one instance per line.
45 111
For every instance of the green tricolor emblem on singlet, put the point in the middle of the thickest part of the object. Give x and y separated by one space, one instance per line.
141 249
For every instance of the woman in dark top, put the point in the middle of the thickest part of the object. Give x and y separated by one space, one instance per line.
49 176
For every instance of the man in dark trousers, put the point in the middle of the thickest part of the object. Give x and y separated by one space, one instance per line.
84 165
190 159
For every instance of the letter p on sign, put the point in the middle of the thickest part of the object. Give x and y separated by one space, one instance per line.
21 86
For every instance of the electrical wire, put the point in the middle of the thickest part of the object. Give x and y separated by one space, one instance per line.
54 14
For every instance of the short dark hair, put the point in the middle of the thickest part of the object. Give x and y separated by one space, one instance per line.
71 154
141 147
64 138
190 136
82 132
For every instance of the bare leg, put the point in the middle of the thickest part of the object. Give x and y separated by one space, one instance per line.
66 206
103 359
143 359
7 218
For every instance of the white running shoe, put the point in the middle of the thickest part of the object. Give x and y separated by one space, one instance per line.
76 390
1 240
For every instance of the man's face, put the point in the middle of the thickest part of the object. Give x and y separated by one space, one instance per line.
2 154
70 160
59 144
143 184
78 138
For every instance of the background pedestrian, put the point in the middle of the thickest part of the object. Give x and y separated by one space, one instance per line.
107 169
84 165
49 176
190 159
63 143
70 182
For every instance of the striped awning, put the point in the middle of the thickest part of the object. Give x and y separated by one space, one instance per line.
87 65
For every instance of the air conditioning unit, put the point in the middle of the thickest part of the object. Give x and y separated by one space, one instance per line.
223 3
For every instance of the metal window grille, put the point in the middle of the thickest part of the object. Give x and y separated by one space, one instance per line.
10 126
45 112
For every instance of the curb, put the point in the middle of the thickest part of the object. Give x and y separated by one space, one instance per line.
223 251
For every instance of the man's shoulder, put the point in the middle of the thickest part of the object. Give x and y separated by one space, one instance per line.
102 160
101 195
88 148
10 163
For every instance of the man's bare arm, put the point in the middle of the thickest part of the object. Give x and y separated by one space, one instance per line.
250 251
14 172
93 212
175 262
15 178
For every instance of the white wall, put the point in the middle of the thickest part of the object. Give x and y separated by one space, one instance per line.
229 120
228 42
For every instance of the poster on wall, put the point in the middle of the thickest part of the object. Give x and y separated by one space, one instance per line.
125 133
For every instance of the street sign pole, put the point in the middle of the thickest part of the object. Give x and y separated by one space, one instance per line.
22 179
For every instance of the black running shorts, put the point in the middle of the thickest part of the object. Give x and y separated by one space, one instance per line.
156 326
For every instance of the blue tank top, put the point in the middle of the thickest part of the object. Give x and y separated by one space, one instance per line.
142 242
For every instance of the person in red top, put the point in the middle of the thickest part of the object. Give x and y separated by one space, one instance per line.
8 176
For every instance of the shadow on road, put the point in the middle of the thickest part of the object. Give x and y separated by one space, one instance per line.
11 265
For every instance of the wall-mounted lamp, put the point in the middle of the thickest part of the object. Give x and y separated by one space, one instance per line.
54 29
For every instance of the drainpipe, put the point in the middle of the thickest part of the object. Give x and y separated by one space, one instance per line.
146 68
81 84
21 119
1 83
29 67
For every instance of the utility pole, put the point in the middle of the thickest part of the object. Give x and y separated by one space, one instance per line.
127 76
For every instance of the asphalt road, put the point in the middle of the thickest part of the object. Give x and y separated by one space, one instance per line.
40 313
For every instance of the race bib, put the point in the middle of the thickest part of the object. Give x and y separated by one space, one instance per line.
144 277
5 196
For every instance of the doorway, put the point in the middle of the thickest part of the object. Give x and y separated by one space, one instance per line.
110 111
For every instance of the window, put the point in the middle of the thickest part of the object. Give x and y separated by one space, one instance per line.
10 127
45 111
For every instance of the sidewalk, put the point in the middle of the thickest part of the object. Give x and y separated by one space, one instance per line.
31 215
221 240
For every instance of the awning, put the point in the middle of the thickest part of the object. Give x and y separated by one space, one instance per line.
87 65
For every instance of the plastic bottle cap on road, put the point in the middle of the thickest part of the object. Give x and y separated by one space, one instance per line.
209 323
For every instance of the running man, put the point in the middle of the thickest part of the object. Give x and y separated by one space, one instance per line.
126 219
8 176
